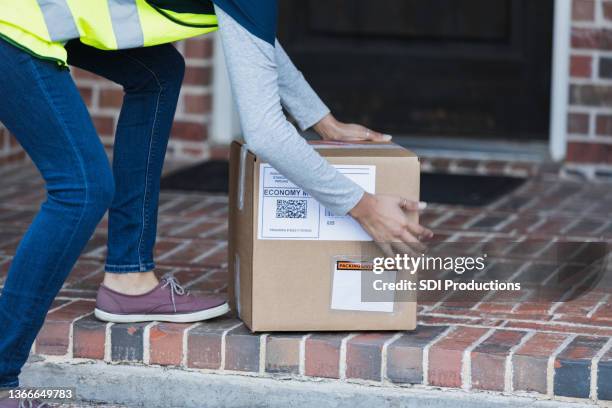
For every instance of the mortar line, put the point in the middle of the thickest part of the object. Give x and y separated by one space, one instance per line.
203 255
508 367
302 354
146 342
70 353
466 360
343 351
594 366
223 343
71 301
383 355
107 342
550 367
427 347
263 341
185 340
599 304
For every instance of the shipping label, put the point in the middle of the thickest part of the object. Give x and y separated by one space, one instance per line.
289 213
350 276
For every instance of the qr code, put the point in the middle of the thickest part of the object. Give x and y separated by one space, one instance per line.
294 209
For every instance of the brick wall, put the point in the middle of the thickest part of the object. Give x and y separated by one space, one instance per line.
590 110
590 105
190 130
104 98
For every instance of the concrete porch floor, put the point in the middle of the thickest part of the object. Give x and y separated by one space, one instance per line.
548 350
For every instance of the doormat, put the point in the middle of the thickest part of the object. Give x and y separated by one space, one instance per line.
466 190
439 188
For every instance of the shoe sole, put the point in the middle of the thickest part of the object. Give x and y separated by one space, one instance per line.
174 318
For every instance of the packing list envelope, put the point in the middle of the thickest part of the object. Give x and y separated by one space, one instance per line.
347 287
289 213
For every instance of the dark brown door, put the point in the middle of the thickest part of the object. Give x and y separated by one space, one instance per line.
477 68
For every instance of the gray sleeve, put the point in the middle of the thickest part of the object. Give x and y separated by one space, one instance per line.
253 73
297 96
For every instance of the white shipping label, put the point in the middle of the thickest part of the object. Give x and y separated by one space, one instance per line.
288 212
347 286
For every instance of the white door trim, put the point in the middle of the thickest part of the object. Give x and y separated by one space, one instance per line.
560 79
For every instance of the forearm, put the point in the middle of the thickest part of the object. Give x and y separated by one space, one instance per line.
252 69
297 96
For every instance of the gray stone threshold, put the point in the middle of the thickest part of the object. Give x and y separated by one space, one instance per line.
138 386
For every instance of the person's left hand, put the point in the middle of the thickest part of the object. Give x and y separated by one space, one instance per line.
333 130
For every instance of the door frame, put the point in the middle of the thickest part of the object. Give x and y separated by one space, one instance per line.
226 124
560 79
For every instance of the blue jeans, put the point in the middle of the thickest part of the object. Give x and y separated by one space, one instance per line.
41 106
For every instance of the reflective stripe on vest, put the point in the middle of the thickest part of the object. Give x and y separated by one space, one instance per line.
59 20
41 27
126 23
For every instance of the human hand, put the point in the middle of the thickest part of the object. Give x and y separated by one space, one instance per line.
385 218
333 130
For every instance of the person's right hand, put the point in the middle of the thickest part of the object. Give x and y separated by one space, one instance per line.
385 218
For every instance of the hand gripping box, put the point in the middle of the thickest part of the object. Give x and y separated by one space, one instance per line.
293 265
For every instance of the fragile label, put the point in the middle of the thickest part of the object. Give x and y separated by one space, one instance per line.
288 212
347 285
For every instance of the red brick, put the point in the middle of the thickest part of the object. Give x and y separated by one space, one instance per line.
191 252
607 9
405 355
582 152
591 38
582 305
197 103
191 131
578 123
604 125
583 10
323 355
581 66
604 312
242 350
53 338
127 342
166 343
446 356
530 361
364 355
79 73
219 153
105 126
200 48
111 98
204 343
89 337
573 367
197 76
194 153
283 353
489 359
591 95
86 94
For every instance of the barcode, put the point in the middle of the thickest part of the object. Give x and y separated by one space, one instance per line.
291 208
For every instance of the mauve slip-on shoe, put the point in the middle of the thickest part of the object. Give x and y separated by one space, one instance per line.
167 302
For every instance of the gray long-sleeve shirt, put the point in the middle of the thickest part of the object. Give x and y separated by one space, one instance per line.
262 78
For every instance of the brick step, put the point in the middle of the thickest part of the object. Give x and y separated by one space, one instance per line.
453 356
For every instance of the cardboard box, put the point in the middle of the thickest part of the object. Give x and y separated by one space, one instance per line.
290 259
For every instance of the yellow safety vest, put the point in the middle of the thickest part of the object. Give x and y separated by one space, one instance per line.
42 27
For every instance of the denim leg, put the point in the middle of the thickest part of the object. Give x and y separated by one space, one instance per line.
151 78
42 107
